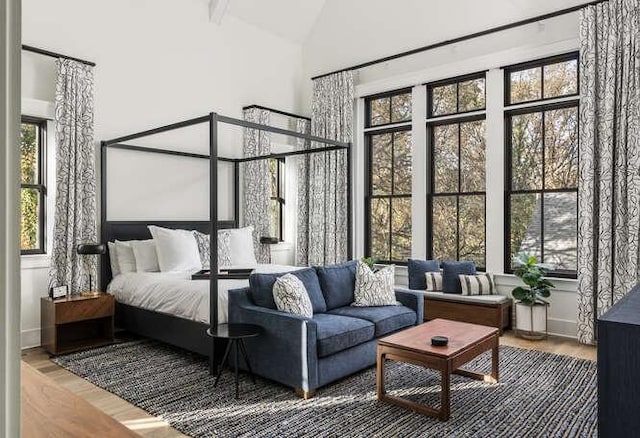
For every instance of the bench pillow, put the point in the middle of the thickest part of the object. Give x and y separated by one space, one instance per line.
338 283
261 288
450 273
479 284
417 268
433 281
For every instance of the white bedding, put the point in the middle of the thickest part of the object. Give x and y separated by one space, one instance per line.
176 294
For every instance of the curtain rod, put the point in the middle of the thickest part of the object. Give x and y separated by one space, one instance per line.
463 38
55 55
277 111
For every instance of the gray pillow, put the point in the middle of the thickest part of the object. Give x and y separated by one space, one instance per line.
204 246
374 288
291 296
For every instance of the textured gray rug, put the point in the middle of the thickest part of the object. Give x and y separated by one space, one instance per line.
540 394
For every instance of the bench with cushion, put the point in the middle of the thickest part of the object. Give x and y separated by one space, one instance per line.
490 310
307 353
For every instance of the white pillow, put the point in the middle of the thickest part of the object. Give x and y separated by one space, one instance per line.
374 288
177 249
113 259
146 256
124 256
434 281
291 296
241 247
479 284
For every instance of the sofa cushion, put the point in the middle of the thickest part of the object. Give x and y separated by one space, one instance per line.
336 333
386 319
338 283
262 288
450 272
416 269
474 299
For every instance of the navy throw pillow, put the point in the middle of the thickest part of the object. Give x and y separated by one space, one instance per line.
261 287
338 283
417 268
450 272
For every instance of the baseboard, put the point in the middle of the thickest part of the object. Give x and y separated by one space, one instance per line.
30 338
563 327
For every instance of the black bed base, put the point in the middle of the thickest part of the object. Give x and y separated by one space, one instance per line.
179 332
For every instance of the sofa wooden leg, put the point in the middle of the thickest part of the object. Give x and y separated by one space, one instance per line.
305 394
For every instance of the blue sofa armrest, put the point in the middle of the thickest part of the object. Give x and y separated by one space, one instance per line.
286 351
413 299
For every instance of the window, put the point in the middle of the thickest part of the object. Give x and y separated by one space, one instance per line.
389 174
32 188
542 164
276 210
456 152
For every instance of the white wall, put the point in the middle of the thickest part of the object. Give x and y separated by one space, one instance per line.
158 62
384 28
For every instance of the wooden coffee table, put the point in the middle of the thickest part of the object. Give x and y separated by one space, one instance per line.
466 342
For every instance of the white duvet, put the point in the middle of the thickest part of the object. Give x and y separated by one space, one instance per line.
175 293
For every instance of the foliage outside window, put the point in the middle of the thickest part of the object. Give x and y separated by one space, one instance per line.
542 166
390 177
32 189
457 165
276 208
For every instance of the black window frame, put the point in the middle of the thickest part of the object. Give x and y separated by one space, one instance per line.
443 120
370 131
280 196
541 63
508 115
40 186
451 81
389 94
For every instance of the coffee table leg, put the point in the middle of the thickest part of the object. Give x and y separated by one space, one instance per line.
495 360
380 376
445 394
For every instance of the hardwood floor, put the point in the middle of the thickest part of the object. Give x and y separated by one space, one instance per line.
149 426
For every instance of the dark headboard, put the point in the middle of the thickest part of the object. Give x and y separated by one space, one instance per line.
137 230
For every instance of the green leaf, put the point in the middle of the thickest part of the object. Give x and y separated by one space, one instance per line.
520 293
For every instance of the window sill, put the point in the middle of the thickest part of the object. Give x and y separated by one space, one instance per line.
35 261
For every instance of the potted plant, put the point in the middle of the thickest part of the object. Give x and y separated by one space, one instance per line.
370 262
532 304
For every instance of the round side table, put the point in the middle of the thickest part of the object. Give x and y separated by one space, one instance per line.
235 334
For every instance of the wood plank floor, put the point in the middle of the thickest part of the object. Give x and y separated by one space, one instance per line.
149 426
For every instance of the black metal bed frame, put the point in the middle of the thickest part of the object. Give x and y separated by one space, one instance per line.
188 334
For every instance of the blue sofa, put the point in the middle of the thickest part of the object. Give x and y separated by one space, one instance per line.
307 353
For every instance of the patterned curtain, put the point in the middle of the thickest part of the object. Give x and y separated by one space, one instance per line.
257 182
332 118
302 231
75 212
609 185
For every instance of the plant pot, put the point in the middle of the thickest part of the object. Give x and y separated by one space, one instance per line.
531 321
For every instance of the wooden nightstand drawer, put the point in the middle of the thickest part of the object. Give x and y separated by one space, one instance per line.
72 311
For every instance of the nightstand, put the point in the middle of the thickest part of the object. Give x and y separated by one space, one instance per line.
75 323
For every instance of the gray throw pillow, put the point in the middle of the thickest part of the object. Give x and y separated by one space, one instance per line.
374 288
291 296
224 248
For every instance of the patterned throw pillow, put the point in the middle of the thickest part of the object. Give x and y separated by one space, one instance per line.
479 284
291 296
224 248
374 288
434 281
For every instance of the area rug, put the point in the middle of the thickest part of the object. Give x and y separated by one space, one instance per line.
539 394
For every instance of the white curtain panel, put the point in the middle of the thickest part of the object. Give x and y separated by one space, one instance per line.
75 211
331 118
609 169
256 193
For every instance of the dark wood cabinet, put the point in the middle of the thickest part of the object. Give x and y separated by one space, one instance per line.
71 324
619 368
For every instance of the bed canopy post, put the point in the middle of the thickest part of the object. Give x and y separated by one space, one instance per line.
213 235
